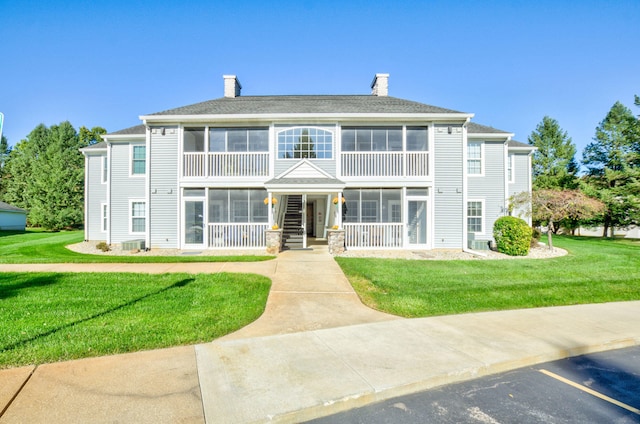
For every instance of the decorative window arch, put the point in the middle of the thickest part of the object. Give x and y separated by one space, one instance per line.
305 143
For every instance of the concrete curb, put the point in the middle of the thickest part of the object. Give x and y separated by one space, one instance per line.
297 377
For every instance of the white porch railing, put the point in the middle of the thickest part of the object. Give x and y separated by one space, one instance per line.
385 164
417 164
245 236
374 235
245 164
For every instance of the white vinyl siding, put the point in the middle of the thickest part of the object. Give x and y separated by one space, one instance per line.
95 196
490 187
448 185
123 187
164 210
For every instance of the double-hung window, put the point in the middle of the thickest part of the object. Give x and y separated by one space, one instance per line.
474 217
105 169
138 216
474 158
510 168
104 213
138 160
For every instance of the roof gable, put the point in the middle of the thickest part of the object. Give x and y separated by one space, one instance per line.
304 169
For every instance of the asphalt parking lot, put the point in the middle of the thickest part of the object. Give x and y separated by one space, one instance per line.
596 388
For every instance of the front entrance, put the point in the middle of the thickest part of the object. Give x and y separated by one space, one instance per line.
304 220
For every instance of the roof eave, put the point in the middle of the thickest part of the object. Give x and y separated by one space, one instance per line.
493 136
158 119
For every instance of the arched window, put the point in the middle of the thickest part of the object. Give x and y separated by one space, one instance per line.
305 143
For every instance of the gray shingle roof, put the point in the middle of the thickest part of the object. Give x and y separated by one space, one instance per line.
10 208
473 128
97 146
136 130
304 104
513 143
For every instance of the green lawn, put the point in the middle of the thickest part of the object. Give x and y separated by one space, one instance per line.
44 247
46 317
596 270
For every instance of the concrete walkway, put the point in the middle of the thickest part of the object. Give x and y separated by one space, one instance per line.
316 351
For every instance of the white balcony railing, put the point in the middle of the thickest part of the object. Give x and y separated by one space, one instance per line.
374 235
246 164
246 236
385 164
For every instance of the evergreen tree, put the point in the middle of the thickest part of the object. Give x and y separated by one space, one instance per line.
554 164
4 156
612 160
45 175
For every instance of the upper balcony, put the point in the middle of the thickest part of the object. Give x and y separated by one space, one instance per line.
384 164
245 164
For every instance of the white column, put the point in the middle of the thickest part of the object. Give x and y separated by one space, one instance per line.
270 208
339 221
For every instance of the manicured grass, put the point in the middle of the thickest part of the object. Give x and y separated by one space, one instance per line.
47 317
44 247
596 270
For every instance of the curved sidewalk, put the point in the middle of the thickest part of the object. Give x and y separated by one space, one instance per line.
315 351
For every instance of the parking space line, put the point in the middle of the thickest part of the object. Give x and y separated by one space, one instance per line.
591 392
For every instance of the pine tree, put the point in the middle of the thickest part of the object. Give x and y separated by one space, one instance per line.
553 163
612 160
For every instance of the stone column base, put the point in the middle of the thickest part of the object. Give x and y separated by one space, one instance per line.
274 241
335 240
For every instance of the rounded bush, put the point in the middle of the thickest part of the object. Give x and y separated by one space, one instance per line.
512 235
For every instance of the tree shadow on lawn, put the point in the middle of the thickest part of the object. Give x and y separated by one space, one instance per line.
9 289
19 343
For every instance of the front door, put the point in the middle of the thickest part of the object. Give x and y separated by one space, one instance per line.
417 223
194 224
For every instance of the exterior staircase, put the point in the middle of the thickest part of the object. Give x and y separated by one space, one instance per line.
292 231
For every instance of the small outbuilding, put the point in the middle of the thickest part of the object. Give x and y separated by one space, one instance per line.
12 217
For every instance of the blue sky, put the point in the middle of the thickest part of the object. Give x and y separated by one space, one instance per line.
510 62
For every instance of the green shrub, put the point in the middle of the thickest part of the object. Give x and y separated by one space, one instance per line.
512 235
103 246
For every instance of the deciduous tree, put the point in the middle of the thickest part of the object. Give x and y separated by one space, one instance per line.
550 206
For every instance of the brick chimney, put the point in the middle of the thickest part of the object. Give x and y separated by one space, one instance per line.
380 85
232 86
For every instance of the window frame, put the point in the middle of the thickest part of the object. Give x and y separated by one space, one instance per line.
132 216
480 159
104 171
481 216
132 160
511 168
104 217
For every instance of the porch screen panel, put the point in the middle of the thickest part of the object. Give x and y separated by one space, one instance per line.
417 139
193 140
352 203
259 211
217 140
218 205
239 205
391 205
